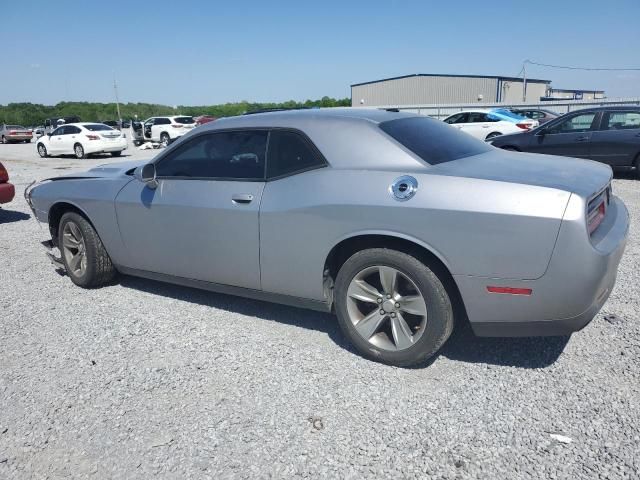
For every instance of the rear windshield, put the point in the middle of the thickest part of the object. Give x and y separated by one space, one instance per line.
15 127
186 120
433 141
97 127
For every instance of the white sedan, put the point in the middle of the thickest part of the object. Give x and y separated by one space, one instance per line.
486 124
82 139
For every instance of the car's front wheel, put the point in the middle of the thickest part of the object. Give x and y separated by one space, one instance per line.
392 306
42 151
83 254
78 150
4 140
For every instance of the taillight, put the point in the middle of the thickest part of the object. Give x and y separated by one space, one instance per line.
177 125
12 132
597 210
523 126
93 137
4 175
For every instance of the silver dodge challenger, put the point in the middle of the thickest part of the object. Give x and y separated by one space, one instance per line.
398 223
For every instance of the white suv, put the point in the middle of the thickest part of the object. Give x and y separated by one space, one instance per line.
163 130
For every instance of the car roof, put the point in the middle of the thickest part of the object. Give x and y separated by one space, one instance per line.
292 118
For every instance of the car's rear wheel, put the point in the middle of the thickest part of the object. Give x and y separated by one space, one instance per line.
42 151
392 306
493 135
4 139
85 258
116 154
165 140
78 150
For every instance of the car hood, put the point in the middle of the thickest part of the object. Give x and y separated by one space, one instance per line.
117 169
583 177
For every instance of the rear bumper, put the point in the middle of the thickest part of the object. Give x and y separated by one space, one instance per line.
577 283
106 147
7 192
18 138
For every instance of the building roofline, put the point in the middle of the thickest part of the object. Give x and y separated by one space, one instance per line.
575 90
498 77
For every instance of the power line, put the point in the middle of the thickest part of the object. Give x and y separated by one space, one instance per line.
631 69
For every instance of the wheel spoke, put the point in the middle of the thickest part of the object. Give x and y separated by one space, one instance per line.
388 279
413 304
69 242
75 262
370 324
75 231
402 336
361 290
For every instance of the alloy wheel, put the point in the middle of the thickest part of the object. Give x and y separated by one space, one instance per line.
74 249
79 151
386 308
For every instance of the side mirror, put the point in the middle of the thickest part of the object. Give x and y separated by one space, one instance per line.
147 174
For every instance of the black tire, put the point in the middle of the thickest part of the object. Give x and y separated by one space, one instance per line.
165 139
637 166
493 135
42 151
78 151
440 317
27 141
99 268
137 143
4 140
116 154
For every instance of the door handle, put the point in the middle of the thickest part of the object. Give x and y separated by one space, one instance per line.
241 198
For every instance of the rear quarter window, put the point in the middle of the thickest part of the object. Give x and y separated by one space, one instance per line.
433 141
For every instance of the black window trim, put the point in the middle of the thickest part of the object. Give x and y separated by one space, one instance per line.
595 123
606 114
264 178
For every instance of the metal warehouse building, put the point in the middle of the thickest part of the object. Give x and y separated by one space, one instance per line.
423 89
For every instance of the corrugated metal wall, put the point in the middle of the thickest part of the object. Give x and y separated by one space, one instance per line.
511 91
427 89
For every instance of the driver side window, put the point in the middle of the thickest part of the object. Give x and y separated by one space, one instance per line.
238 155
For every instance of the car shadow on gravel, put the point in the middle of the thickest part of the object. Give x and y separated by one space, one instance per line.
463 345
526 352
10 216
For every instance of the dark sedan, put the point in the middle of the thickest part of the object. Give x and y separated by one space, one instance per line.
609 135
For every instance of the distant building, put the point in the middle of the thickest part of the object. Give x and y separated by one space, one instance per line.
421 89
568 94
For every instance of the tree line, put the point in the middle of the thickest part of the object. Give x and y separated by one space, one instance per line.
31 114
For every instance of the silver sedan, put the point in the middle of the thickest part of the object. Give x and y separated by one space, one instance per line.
398 223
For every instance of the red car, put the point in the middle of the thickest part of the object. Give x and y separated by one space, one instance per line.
7 191
201 120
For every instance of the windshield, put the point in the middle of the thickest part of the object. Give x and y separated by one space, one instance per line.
185 120
509 114
97 127
433 141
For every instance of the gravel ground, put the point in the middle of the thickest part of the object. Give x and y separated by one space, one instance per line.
142 380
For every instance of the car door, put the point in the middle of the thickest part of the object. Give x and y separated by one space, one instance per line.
56 141
459 120
617 140
147 128
202 220
70 138
569 136
159 126
477 125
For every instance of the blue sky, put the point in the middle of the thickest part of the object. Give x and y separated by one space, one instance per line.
205 52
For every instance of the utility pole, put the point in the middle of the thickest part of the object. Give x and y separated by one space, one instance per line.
524 81
115 89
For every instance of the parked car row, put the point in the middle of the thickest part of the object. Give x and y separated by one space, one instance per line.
606 134
486 124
